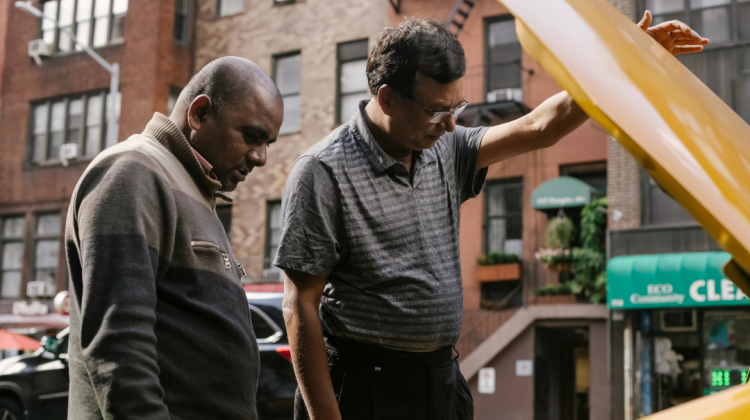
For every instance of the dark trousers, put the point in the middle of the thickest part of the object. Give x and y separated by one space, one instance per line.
376 383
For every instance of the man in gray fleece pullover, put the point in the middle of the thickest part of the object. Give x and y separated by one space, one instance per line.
159 325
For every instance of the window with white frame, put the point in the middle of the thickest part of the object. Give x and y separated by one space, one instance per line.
352 84
94 22
80 119
229 7
181 21
504 217
12 232
724 65
503 57
287 69
47 247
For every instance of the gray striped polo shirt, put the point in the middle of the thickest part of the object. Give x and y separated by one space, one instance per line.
387 245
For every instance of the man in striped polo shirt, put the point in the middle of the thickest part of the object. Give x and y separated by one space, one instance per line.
370 231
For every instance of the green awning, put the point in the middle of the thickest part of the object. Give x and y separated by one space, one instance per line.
671 281
563 192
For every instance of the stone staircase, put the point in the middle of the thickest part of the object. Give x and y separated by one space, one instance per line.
477 326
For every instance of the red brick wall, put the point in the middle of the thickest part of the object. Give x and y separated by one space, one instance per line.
150 62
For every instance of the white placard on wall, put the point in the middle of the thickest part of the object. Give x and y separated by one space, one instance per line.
524 367
487 380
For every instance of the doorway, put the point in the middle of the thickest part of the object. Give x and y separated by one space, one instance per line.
561 380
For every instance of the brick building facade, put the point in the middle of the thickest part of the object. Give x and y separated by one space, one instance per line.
63 101
304 46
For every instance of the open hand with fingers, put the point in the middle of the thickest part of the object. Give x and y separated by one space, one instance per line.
675 36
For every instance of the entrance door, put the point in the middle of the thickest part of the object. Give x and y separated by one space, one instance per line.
561 379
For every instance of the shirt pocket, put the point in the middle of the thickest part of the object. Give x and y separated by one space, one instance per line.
209 256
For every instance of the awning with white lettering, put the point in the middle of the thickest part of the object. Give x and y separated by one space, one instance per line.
671 281
563 192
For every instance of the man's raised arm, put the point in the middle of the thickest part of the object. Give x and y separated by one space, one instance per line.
559 115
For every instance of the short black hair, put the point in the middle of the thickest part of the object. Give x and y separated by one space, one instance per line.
414 46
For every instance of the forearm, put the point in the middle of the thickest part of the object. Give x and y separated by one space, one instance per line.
309 353
543 127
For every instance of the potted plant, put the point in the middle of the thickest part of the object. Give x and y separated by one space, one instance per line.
498 266
556 259
555 294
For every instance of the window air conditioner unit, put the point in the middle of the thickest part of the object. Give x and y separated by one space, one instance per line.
36 288
68 151
50 289
38 49
679 320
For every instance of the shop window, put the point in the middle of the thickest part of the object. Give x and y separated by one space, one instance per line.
273 232
352 82
229 7
503 209
12 232
726 342
94 22
287 77
182 21
503 60
658 207
47 249
78 119
224 213
726 69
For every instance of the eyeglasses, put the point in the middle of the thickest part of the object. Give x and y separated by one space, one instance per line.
441 116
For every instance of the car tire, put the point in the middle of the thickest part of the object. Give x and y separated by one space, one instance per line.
10 409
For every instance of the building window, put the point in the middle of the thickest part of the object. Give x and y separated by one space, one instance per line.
503 60
273 232
94 22
229 7
352 81
12 233
47 249
181 21
503 209
724 66
78 119
174 94
287 77
658 207
224 213
593 173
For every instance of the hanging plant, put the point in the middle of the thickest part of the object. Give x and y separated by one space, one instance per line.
560 233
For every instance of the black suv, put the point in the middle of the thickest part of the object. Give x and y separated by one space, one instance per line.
35 386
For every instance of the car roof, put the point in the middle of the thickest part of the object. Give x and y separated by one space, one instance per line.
265 299
693 144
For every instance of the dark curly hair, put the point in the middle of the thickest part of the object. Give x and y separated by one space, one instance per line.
414 46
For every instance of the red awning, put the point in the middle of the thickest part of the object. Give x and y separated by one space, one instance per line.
13 341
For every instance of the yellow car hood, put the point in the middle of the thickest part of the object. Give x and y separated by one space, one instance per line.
685 136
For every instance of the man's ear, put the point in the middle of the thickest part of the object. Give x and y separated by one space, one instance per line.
385 98
198 111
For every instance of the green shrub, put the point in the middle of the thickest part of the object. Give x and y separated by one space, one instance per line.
495 258
553 290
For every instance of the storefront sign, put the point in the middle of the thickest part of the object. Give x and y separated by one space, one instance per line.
671 281
33 308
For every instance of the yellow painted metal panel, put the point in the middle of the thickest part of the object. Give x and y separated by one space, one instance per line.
685 136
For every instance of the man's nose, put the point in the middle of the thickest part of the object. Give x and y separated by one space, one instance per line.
450 124
258 155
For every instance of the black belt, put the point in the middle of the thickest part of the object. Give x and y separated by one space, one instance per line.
355 354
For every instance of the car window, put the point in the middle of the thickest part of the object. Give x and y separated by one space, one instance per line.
262 328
